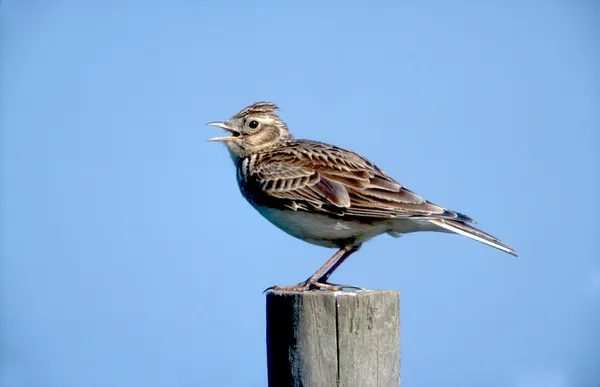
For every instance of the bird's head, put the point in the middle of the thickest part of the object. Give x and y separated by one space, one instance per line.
254 128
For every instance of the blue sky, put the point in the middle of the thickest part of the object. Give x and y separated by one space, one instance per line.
128 256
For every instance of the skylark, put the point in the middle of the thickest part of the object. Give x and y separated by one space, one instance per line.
327 195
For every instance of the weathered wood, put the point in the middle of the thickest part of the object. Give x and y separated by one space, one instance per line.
369 339
333 339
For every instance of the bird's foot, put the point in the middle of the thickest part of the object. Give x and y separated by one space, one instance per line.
309 285
301 287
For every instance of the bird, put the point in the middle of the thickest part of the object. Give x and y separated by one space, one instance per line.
327 195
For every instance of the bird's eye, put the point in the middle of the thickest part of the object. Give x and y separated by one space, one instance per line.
253 124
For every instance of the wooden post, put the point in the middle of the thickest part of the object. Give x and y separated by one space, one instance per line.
333 339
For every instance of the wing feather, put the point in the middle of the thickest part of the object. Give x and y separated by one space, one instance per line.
312 176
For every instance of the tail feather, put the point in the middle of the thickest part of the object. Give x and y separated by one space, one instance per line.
461 228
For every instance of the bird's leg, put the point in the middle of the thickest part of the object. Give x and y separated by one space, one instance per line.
311 282
319 279
332 263
323 279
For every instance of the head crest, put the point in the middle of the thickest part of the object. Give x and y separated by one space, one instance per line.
258 107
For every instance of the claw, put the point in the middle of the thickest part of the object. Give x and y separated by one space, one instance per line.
269 288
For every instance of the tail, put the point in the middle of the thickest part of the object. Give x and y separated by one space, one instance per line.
461 228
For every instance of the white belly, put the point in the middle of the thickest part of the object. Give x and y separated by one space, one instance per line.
322 230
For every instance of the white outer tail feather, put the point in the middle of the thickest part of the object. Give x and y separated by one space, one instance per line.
473 233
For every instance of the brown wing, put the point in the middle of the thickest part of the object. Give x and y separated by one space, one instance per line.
309 175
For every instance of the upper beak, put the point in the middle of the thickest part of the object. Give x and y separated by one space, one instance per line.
224 125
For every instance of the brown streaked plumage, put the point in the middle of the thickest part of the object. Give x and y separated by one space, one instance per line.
327 195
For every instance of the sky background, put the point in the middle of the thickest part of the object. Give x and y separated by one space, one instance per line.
129 258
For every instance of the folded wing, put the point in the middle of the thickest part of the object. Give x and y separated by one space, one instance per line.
309 175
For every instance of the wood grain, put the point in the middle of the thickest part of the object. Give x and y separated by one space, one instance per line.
333 339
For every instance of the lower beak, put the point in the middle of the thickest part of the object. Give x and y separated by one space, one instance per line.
224 125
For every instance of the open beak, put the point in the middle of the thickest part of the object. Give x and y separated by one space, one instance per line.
224 125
